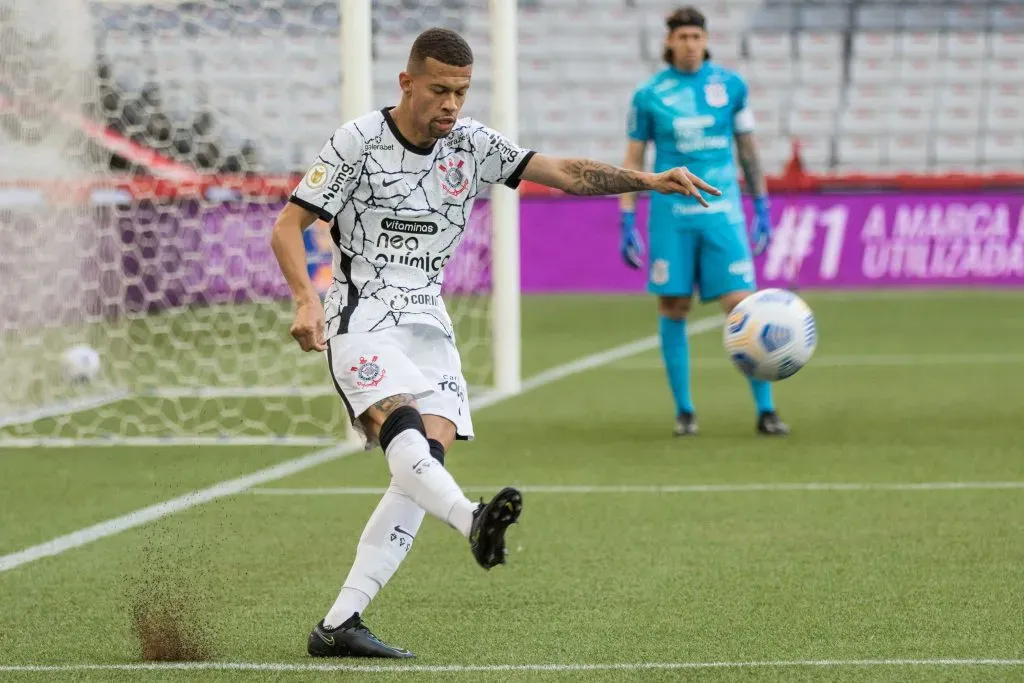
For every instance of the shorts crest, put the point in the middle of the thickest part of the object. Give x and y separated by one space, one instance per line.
368 372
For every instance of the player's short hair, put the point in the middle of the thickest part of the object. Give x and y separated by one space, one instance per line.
442 44
685 16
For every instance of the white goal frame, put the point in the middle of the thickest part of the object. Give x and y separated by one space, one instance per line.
356 55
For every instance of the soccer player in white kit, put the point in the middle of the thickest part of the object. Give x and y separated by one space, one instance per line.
397 187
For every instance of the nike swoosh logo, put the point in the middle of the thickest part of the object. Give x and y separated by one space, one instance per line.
402 531
329 641
389 184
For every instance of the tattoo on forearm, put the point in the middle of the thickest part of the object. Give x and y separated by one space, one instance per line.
595 178
391 403
750 162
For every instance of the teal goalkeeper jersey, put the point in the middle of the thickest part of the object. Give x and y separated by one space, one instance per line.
691 118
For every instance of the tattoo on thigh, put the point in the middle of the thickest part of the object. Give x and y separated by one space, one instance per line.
391 403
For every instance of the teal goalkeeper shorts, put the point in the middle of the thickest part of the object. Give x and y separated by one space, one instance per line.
714 258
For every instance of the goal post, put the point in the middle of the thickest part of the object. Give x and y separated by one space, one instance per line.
136 209
505 306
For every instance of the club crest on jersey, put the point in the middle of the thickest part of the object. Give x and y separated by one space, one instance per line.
317 175
716 95
368 373
453 179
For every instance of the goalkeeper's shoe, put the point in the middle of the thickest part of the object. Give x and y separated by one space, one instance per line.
490 521
351 639
686 425
769 424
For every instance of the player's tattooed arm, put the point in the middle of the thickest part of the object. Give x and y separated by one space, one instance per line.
587 177
750 162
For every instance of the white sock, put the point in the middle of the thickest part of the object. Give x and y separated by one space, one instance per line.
385 542
427 481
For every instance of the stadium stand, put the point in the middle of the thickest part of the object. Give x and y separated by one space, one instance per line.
864 85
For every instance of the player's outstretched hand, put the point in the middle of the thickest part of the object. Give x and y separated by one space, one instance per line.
308 328
680 181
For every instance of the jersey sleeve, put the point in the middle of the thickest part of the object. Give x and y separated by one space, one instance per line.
499 160
331 178
743 116
640 122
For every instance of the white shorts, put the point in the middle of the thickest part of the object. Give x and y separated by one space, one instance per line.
409 359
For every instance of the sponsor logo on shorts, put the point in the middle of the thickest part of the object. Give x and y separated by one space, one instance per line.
743 268
369 373
451 384
659 272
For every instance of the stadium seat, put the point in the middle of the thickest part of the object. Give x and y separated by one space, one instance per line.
965 16
774 19
963 71
955 149
823 97
817 45
907 152
820 71
811 123
875 45
869 95
862 121
881 18
777 71
909 119
914 95
962 94
1007 18
965 45
1004 71
816 151
1003 118
725 45
919 45
861 151
769 46
1007 45
874 71
959 118
921 18
920 71
1004 147
824 17
1006 94
768 120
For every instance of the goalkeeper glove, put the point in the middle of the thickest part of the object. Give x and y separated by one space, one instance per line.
762 224
630 246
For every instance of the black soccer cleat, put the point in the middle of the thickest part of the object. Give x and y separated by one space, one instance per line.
351 639
490 521
686 425
769 424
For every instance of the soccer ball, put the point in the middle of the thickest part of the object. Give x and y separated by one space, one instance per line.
770 335
81 364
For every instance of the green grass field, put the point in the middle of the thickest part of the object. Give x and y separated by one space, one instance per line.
889 527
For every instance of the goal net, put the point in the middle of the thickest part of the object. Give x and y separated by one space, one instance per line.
148 147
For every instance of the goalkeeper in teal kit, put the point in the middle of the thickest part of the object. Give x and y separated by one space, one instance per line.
695 112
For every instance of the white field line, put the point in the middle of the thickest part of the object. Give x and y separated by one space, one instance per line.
843 361
167 442
230 487
692 488
75 405
470 668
